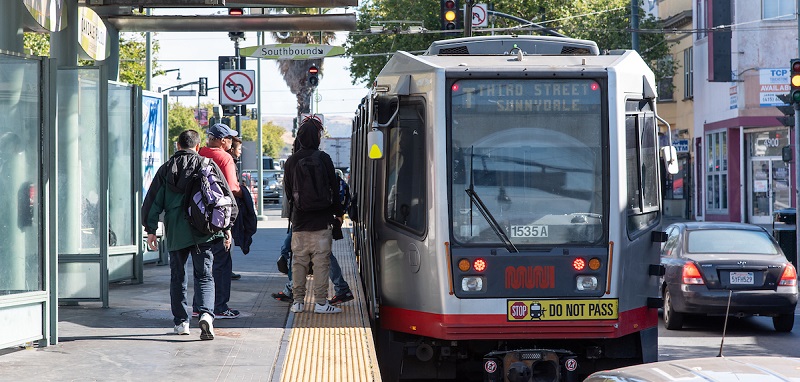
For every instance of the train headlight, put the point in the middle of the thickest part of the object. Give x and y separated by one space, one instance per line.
472 284
586 282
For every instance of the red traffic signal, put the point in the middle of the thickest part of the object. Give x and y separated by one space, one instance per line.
235 11
313 80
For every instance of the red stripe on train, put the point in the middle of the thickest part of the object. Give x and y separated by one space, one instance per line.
496 326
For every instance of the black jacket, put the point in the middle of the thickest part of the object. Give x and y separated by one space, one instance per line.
246 225
308 139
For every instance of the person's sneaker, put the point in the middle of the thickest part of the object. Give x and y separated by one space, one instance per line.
298 307
235 276
230 313
280 296
327 308
182 328
195 314
344 297
206 327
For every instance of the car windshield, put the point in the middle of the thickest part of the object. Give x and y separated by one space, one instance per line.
730 241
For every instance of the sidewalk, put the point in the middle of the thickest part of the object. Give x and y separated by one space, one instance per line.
133 341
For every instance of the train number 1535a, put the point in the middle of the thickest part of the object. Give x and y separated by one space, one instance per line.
529 231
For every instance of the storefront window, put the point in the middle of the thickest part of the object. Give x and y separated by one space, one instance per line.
717 172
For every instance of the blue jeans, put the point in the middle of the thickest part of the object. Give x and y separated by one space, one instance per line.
339 285
202 261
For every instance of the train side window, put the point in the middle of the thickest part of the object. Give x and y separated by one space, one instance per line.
641 154
406 162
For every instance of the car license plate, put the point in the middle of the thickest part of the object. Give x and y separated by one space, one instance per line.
562 310
742 278
529 231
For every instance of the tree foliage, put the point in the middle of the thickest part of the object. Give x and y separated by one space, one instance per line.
132 55
182 118
272 137
606 22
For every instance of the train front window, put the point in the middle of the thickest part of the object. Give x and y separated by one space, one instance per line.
532 151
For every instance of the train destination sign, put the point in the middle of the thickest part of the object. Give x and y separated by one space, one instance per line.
562 310
292 51
526 95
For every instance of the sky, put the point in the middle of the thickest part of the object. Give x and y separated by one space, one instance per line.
196 54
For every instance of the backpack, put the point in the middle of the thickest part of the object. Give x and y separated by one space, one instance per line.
310 186
209 208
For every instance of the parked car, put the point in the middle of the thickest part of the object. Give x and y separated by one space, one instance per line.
273 190
786 215
706 370
705 261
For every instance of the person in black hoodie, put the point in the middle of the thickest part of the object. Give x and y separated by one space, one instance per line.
311 230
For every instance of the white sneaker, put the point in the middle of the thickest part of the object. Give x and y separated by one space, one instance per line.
182 328
327 308
298 307
206 327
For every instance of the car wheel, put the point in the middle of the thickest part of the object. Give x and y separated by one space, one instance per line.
783 322
672 320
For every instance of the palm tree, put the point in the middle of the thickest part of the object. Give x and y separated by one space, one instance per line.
294 72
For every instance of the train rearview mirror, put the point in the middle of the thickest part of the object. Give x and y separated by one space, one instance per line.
786 153
375 144
670 157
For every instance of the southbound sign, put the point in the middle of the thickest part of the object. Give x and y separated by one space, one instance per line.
292 51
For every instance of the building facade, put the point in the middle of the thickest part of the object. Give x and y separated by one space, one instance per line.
737 139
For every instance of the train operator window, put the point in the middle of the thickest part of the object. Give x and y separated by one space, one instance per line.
641 152
406 162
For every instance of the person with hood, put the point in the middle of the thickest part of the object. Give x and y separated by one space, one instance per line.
311 228
166 194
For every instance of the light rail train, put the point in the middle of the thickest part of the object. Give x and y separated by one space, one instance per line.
507 210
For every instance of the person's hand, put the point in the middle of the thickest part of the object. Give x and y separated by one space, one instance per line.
340 219
152 242
228 240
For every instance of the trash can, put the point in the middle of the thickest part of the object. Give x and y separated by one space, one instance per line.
787 239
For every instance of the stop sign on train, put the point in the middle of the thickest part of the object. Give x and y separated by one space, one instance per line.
518 310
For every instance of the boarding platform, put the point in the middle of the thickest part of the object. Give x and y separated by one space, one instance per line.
132 340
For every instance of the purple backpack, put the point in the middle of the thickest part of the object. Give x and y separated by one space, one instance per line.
210 208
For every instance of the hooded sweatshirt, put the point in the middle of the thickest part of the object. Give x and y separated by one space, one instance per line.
166 194
306 143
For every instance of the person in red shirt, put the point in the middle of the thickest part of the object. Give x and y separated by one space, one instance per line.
219 140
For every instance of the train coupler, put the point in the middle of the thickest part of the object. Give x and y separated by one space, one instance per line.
530 365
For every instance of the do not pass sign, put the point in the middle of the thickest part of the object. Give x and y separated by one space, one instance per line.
237 87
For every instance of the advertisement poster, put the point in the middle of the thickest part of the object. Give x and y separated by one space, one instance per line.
771 83
152 139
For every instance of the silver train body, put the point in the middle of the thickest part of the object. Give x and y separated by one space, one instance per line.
507 209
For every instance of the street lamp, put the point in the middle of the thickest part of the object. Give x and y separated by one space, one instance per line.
174 70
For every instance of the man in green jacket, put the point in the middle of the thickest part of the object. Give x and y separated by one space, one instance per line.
166 194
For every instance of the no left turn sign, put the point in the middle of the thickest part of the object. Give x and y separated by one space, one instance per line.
237 87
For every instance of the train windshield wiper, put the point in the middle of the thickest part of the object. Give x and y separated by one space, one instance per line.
475 199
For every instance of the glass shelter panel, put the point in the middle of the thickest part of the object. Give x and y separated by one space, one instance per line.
78 161
532 152
120 166
21 257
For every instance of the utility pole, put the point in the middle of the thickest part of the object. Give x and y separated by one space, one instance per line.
635 25
467 19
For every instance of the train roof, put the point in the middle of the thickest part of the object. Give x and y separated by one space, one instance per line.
507 44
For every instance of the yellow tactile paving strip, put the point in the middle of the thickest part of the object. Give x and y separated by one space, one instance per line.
333 347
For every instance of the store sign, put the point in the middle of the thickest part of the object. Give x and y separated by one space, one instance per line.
681 145
771 83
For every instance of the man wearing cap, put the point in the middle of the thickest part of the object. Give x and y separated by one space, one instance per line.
219 140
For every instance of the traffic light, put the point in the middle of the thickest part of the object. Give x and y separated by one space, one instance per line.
203 91
313 80
449 14
795 81
235 11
